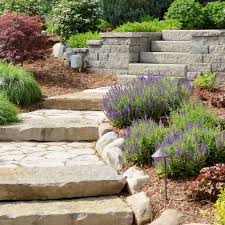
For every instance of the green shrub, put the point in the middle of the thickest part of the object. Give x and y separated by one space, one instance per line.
8 112
30 7
149 26
214 13
206 81
70 17
188 12
220 209
118 12
141 140
21 88
146 97
104 26
189 150
80 40
190 113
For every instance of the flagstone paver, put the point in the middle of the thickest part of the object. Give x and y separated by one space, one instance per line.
47 154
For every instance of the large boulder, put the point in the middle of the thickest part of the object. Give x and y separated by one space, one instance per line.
169 217
58 50
104 141
135 180
141 206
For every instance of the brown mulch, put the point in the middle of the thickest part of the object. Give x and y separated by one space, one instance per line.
56 79
194 211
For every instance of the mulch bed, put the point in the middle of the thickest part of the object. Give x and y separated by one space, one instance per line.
194 211
56 79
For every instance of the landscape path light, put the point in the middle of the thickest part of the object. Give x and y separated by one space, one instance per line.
162 154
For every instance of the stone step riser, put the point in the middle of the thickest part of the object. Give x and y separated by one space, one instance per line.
59 182
164 58
170 46
169 70
89 211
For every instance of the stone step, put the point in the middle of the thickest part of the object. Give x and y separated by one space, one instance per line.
88 100
164 57
54 125
88 211
170 46
39 183
170 70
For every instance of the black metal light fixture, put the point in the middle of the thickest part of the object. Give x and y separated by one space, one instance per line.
162 154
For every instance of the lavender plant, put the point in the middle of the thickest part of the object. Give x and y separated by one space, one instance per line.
146 97
141 140
190 150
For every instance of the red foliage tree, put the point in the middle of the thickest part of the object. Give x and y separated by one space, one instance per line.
21 37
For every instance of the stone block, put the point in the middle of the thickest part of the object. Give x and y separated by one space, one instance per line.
103 56
95 49
192 75
199 67
218 67
169 217
121 72
135 180
195 58
95 64
217 49
95 42
212 40
213 58
93 56
141 205
199 49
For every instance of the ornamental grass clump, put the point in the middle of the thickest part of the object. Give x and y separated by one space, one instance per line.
8 112
20 87
141 140
146 97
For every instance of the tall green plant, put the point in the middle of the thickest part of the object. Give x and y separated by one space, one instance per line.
20 87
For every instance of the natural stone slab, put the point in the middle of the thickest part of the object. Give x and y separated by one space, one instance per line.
169 217
47 154
94 211
141 206
89 100
135 180
54 125
59 182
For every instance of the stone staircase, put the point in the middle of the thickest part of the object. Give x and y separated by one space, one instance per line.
168 56
58 180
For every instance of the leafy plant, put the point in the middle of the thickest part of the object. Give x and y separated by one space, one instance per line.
190 113
118 12
189 150
20 38
104 26
20 86
141 140
30 7
149 26
146 97
206 81
8 112
80 40
215 15
188 12
220 209
208 184
71 17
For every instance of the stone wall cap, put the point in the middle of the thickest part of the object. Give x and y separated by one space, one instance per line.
130 34
208 33
95 42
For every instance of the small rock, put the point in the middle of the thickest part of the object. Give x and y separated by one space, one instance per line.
135 180
141 206
169 217
105 128
114 157
58 50
105 140
117 143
